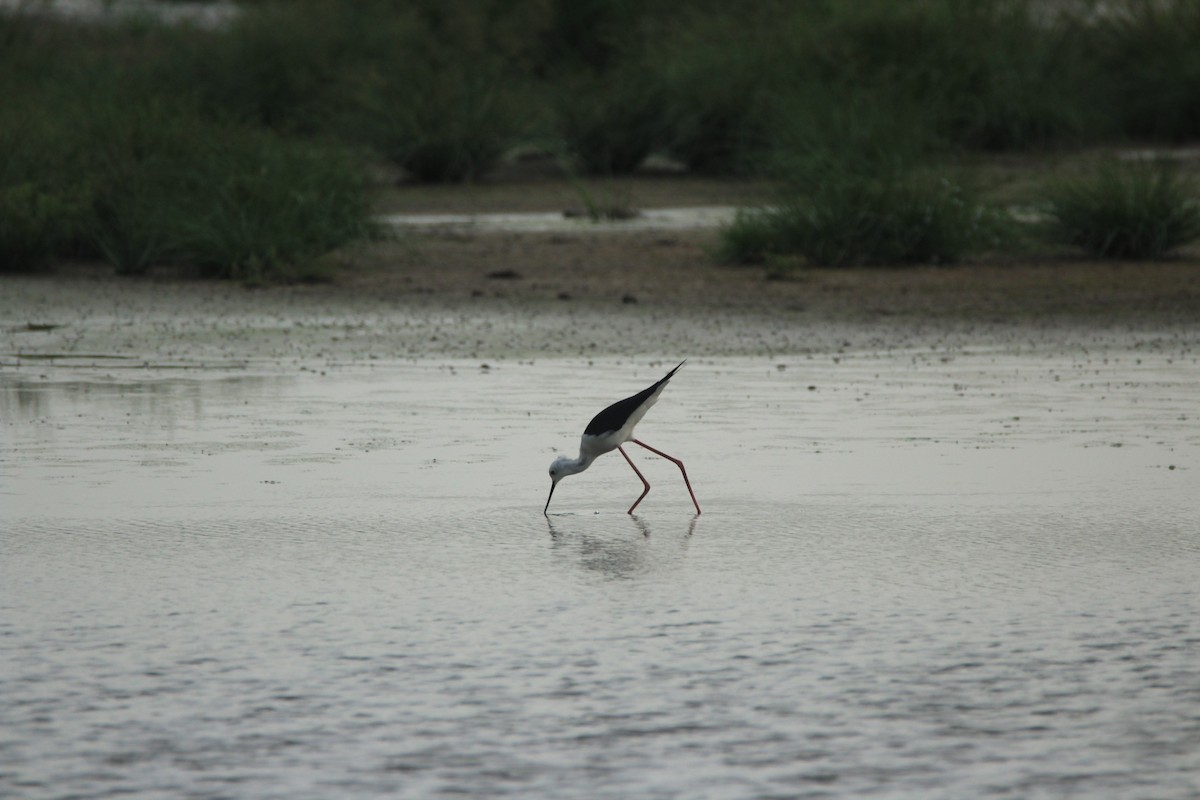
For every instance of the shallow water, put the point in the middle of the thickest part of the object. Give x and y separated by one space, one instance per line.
652 219
916 575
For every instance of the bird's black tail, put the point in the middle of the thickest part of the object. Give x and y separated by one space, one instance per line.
672 372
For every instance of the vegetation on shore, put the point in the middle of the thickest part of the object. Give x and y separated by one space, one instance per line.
244 151
1135 210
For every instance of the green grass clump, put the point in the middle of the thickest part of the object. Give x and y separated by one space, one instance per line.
1150 68
861 183
717 90
1134 210
448 122
289 67
36 224
43 205
44 200
425 88
988 74
274 208
753 235
138 184
906 218
102 162
173 186
610 121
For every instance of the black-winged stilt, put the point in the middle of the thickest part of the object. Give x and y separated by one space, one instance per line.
610 429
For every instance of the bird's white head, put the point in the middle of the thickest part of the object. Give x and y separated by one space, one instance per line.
561 468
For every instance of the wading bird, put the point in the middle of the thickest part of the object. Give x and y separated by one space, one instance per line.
610 429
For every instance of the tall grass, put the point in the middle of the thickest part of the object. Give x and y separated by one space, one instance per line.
241 151
43 205
1131 210
45 193
858 188
717 90
1149 51
611 121
449 121
906 217
291 67
277 207
172 186
100 164
988 74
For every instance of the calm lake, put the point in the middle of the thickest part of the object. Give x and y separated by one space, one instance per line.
917 574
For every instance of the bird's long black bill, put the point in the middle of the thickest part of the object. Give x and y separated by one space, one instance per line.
545 511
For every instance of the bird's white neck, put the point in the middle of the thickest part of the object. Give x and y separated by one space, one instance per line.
573 466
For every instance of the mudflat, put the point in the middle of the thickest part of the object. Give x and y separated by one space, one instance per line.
450 292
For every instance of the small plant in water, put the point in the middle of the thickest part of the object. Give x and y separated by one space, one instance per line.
611 204
1126 210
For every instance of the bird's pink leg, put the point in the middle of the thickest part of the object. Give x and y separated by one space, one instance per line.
645 482
677 462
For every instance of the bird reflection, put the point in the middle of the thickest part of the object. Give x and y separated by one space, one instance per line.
619 556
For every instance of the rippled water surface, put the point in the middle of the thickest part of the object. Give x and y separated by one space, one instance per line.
915 576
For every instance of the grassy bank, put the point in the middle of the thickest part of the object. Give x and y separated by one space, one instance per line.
244 151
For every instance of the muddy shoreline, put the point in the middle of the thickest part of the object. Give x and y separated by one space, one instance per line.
527 295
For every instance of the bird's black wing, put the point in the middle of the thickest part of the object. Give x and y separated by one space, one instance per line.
613 417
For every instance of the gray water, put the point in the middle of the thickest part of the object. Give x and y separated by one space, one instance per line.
916 575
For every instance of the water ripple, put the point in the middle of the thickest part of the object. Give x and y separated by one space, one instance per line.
922 577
